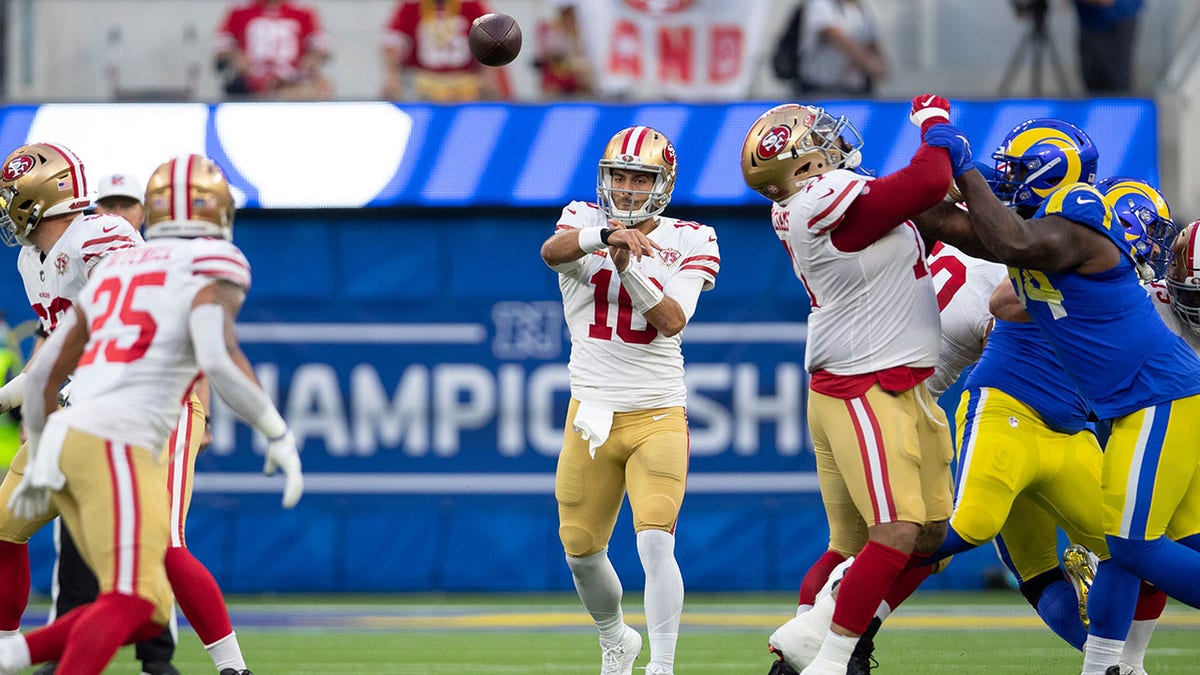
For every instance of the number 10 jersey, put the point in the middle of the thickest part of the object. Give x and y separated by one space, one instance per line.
618 359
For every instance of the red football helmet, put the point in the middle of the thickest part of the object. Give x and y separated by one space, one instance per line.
1183 276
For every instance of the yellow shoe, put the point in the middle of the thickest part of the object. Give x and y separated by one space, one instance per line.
1080 566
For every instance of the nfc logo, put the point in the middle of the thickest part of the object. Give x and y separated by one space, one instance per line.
527 330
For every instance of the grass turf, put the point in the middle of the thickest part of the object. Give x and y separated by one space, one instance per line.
721 634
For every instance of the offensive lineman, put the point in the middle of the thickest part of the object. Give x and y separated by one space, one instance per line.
630 281
100 461
882 443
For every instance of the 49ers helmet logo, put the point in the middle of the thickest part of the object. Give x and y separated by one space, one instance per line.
774 141
16 167
669 154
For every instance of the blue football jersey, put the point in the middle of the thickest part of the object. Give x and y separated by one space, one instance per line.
1103 327
1020 362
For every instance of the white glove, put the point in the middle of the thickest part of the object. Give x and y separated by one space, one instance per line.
28 501
31 497
282 454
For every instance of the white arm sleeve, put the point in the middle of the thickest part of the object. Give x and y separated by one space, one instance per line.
247 400
685 290
33 410
12 394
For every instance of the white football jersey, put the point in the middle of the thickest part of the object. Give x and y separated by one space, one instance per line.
618 360
964 288
872 309
1157 290
139 362
52 281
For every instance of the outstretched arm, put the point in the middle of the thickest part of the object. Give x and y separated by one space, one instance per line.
948 223
1050 244
222 361
893 199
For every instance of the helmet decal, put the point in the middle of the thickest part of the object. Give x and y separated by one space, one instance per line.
774 141
16 167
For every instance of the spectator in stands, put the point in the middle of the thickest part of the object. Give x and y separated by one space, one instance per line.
273 49
560 57
425 43
839 48
1107 31
121 195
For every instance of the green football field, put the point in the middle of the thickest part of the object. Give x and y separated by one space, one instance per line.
992 632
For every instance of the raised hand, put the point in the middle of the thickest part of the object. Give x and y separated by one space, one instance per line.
283 454
929 109
956 143
623 242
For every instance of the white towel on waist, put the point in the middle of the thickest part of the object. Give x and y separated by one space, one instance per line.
593 424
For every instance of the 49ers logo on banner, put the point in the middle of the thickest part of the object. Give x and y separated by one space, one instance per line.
774 142
17 167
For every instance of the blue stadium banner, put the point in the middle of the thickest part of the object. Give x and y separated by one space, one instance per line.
336 155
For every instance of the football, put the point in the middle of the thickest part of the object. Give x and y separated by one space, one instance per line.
495 39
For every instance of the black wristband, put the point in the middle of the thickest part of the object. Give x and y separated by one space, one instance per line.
605 233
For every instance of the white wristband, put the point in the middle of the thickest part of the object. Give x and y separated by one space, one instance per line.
644 294
589 239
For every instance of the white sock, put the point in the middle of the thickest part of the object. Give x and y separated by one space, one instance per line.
837 648
226 653
1100 653
883 612
664 593
1137 642
599 588
14 653
800 609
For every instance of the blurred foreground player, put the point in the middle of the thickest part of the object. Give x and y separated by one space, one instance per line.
630 281
73 584
95 460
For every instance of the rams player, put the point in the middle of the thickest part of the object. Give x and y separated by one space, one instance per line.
1074 272
1024 451
630 280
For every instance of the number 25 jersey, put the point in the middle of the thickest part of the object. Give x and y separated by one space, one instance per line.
139 361
618 359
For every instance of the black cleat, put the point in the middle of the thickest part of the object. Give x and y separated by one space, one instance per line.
158 668
46 669
780 667
231 671
1113 670
862 660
